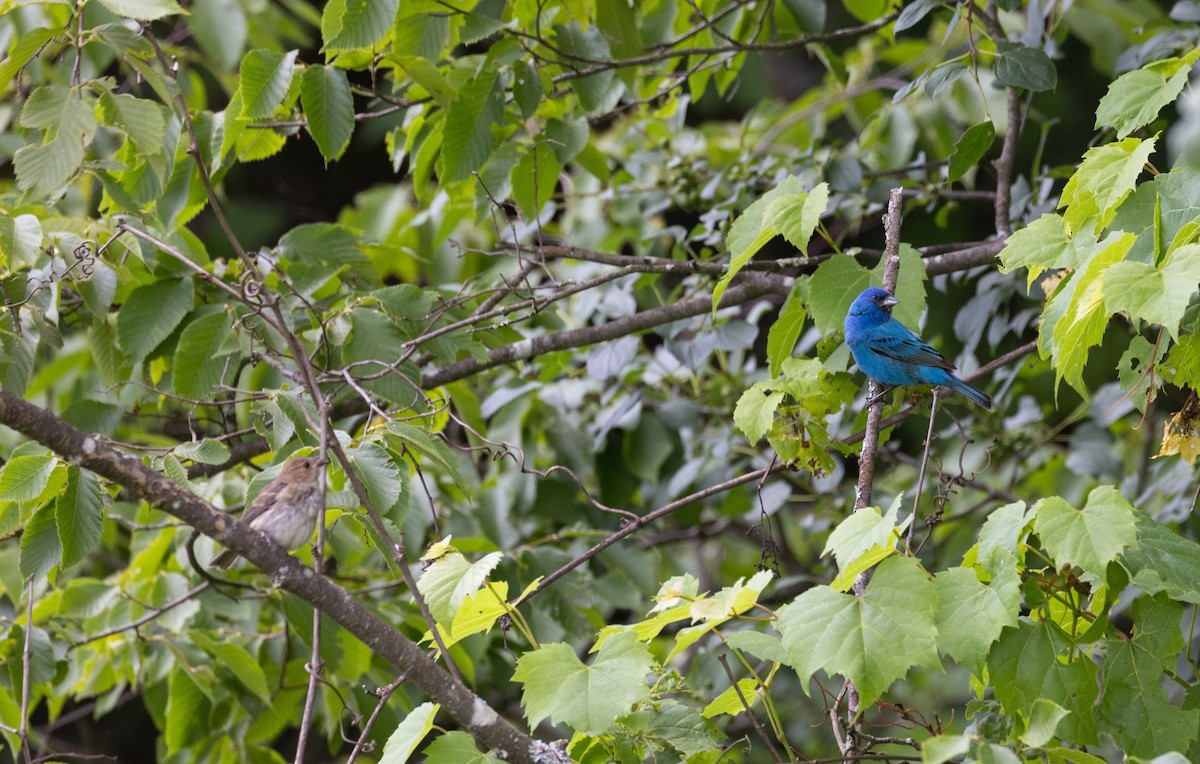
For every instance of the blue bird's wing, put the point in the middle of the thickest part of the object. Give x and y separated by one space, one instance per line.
908 348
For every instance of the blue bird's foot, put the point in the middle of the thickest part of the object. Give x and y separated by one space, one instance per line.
878 396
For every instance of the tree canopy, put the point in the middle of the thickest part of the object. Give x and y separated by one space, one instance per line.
557 288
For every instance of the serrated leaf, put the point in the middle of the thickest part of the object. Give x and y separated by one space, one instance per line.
1090 537
41 549
1103 180
206 451
448 582
781 338
863 529
467 138
23 478
1135 98
20 240
184 701
353 24
140 119
1028 664
972 615
238 661
597 92
970 148
785 209
872 640
328 109
202 355
151 313
1041 245
409 734
1163 561
1157 295
264 78
383 480
433 449
79 515
1020 66
558 686
755 411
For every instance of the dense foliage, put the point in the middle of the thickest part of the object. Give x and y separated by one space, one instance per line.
558 287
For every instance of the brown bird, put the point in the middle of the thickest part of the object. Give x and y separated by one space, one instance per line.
287 508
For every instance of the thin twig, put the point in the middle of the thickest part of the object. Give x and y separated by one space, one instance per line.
762 733
921 473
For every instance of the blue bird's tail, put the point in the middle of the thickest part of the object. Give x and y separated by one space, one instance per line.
965 390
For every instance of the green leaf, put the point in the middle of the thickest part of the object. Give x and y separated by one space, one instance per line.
527 88
970 148
138 118
1044 243
235 659
681 726
1075 319
41 549
971 615
1163 561
1105 177
452 578
729 701
409 734
328 109
862 530
1034 662
1090 537
833 286
457 747
79 515
425 73
203 353
597 92
22 52
785 210
264 80
467 140
913 13
534 179
383 480
184 702
23 478
558 686
872 640
352 24
151 313
420 33
220 28
943 748
781 339
1135 98
1019 66
755 411
1141 719
433 449
20 240
143 10
1157 295
1043 721
206 451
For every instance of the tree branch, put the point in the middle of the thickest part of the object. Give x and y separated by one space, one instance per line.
77 447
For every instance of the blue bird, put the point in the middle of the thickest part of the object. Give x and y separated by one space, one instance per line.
890 354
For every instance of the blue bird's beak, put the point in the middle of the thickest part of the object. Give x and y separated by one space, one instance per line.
888 302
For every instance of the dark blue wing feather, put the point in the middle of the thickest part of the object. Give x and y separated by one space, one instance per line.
909 349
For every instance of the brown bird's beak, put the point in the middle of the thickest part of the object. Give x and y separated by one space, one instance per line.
889 301
322 461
